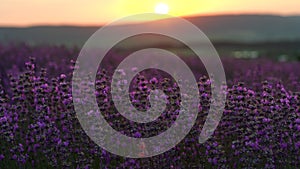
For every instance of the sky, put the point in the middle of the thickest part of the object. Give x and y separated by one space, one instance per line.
99 12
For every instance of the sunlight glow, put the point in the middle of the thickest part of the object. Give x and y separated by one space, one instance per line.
95 12
162 8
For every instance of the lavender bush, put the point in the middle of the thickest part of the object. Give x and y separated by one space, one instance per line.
260 127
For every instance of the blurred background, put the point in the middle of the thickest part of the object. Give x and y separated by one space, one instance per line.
241 29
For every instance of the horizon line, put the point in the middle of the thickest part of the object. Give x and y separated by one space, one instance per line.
103 24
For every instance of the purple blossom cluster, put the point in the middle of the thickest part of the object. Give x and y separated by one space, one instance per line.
260 126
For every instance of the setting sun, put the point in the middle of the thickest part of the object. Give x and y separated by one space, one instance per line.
162 8
95 12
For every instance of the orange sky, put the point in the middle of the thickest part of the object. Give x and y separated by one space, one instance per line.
97 12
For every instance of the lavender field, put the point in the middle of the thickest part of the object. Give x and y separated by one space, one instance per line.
260 126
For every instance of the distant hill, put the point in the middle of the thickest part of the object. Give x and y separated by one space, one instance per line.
222 28
249 28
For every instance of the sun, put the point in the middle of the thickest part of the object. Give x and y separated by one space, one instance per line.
161 8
